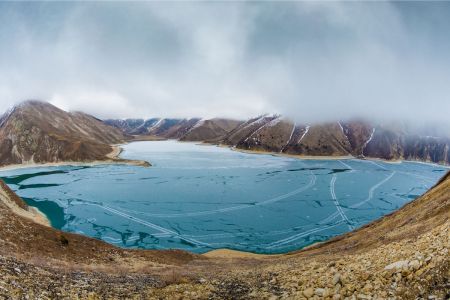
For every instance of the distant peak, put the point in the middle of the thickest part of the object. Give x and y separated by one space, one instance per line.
36 104
32 102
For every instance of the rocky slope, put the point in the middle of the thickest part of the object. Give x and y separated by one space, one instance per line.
391 142
38 132
404 255
212 130
324 140
165 128
193 129
355 138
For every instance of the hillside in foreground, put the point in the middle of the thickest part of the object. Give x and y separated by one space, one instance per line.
403 255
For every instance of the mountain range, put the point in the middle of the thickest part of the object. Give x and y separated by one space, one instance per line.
274 133
38 132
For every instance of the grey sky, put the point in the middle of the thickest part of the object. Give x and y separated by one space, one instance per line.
310 61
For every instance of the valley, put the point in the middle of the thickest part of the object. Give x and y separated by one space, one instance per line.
381 239
224 150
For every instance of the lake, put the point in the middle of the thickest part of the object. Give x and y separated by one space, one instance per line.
202 197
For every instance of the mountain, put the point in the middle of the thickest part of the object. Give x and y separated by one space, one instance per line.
165 128
274 133
211 130
401 143
133 126
38 132
193 129
352 138
172 128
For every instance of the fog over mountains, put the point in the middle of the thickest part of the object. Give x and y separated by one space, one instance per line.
38 132
278 134
311 62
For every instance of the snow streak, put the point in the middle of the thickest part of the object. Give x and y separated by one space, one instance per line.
268 124
290 138
304 134
368 141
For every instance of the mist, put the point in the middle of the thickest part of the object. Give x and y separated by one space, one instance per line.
308 61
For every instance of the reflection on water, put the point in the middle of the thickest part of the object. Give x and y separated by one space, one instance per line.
200 198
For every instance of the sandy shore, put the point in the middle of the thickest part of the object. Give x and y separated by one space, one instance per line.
228 253
28 212
312 157
309 157
38 216
75 164
115 153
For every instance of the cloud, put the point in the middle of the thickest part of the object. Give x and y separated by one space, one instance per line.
309 61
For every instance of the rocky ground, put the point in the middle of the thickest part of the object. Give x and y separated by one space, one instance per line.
406 270
404 255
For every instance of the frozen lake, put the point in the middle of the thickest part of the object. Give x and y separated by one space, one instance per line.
198 197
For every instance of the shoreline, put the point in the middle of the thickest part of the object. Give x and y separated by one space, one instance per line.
326 157
231 253
113 158
40 217
74 164
297 156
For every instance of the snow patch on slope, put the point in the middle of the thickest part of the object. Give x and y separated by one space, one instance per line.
265 125
304 134
198 124
368 141
290 138
156 125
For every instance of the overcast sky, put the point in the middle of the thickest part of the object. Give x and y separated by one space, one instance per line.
309 61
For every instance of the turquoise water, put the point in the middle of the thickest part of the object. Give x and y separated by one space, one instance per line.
199 198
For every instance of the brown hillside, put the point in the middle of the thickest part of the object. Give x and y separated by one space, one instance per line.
210 130
38 132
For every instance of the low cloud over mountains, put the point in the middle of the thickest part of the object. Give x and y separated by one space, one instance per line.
307 61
